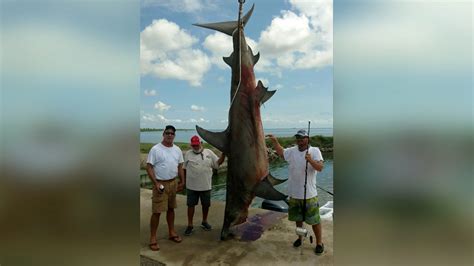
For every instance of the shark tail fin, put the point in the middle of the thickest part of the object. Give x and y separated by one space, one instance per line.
227 27
216 139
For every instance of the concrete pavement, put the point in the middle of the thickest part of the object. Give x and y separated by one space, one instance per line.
274 247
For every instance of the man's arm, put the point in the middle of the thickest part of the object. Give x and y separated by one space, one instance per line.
221 159
276 145
317 165
151 175
182 177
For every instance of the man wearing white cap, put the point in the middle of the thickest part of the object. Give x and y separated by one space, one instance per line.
198 165
297 156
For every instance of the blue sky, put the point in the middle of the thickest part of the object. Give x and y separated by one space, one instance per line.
184 81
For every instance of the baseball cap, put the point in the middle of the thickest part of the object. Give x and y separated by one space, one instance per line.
170 127
195 140
301 133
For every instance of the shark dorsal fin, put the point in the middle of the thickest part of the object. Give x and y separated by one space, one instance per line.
227 27
216 139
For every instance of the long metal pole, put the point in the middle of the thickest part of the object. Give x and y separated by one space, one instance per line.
306 176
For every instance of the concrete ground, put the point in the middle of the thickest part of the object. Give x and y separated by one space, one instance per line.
274 247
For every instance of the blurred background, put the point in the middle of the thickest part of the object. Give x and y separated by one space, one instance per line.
403 128
403 132
69 133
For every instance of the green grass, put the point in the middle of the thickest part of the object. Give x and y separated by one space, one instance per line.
145 147
161 129
316 141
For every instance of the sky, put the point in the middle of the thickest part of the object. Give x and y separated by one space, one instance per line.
185 82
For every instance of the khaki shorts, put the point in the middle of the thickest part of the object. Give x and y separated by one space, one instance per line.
162 201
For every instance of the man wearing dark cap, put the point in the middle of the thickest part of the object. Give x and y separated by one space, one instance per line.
297 156
198 165
164 163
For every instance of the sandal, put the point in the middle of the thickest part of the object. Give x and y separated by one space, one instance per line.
297 243
154 246
175 239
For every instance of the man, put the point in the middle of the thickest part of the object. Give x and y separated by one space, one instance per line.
164 163
198 165
297 157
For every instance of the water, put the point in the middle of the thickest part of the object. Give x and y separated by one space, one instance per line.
185 135
324 180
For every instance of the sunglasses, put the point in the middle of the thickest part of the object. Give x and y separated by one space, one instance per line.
169 133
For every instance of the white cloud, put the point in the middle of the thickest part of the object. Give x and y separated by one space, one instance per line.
300 38
162 106
187 6
278 86
220 45
197 108
200 120
166 52
158 118
287 33
150 92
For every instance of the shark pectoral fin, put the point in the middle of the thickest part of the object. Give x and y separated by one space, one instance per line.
275 181
227 27
229 60
265 94
267 191
216 139
254 57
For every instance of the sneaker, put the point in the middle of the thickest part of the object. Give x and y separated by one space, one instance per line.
297 243
188 231
206 226
319 249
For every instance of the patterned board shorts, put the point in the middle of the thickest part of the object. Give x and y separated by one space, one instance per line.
295 210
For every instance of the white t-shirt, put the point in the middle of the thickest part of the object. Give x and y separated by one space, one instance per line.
296 170
165 161
199 169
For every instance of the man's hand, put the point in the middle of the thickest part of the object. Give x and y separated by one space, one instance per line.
272 137
276 144
180 186
157 186
308 157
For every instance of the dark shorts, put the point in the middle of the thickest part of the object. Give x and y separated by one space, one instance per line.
193 197
295 210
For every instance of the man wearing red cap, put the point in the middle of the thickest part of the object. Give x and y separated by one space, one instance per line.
198 165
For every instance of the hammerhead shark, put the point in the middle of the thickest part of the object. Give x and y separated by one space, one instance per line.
243 141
